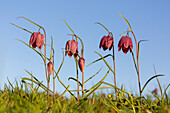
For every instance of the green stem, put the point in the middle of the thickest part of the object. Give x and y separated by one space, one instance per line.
46 62
76 60
137 65
53 81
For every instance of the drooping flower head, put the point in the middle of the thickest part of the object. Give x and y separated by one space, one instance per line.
50 67
36 40
106 42
125 43
71 48
81 63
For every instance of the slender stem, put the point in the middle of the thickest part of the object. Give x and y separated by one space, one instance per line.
76 59
53 81
158 82
137 66
46 63
82 84
114 72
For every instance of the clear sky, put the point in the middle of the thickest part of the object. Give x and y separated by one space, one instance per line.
149 20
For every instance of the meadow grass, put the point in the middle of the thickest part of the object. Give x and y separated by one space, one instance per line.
19 98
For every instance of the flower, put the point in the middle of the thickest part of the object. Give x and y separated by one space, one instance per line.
36 40
81 63
50 67
125 43
71 48
106 42
155 91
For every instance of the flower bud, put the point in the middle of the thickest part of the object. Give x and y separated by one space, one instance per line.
81 63
50 67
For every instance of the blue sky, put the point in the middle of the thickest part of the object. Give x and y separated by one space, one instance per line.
149 21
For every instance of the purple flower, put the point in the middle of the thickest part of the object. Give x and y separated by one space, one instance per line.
81 63
71 48
36 40
106 42
125 43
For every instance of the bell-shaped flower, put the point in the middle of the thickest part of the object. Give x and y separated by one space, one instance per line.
36 40
50 67
71 48
81 63
33 39
106 42
125 43
40 40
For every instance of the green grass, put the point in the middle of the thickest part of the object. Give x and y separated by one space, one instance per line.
20 99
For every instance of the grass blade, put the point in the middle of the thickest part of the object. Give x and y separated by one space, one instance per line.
100 80
21 28
102 26
93 75
60 66
158 82
149 81
29 86
10 83
126 21
64 92
30 21
39 84
139 46
68 26
105 62
99 59
42 56
75 80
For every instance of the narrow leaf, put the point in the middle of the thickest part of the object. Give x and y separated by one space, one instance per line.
139 46
64 92
155 96
30 21
42 56
105 62
21 28
149 81
158 82
51 48
102 26
68 26
165 90
75 80
100 80
99 59
93 75
60 66
29 86
91 91
10 83
126 21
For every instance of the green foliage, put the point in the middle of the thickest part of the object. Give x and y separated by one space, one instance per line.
20 98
